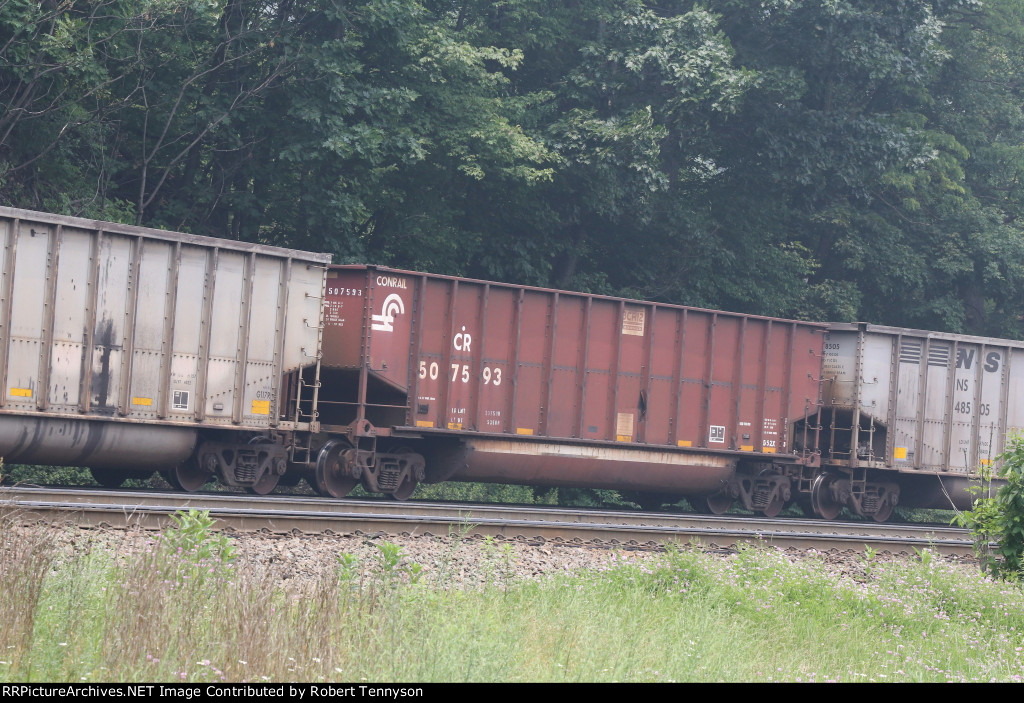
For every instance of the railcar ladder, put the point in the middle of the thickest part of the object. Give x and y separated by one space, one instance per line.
811 438
302 446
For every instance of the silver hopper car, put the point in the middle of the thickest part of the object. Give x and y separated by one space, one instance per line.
910 416
124 347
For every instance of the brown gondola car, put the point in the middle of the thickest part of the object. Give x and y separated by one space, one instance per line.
426 377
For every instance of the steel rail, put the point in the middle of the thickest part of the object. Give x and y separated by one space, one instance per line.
532 524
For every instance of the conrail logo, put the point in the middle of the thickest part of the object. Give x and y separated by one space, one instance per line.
391 282
393 305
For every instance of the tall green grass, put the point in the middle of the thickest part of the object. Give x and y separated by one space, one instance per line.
185 608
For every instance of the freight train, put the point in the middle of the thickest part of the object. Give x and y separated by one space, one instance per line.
128 350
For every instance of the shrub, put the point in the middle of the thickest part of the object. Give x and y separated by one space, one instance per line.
1000 518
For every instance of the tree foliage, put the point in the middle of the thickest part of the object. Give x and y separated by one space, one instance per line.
826 159
1000 518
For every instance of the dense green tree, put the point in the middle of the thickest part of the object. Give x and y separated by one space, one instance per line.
972 206
830 159
868 132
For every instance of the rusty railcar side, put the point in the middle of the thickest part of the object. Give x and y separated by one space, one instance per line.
122 346
552 387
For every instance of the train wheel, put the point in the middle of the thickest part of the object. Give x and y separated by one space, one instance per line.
265 485
714 504
774 507
825 506
108 478
777 503
270 479
883 513
188 476
406 489
408 485
331 479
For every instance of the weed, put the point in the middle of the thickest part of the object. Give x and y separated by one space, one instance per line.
869 558
348 567
445 569
498 563
24 564
393 565
1000 518
192 538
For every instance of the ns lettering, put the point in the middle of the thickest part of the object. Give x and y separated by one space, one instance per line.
965 358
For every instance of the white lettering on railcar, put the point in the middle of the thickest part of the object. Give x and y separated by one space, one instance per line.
462 340
391 282
336 290
492 418
393 305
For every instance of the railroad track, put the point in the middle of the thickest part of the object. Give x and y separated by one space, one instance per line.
595 528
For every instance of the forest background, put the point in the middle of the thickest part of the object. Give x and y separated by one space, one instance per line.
823 159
